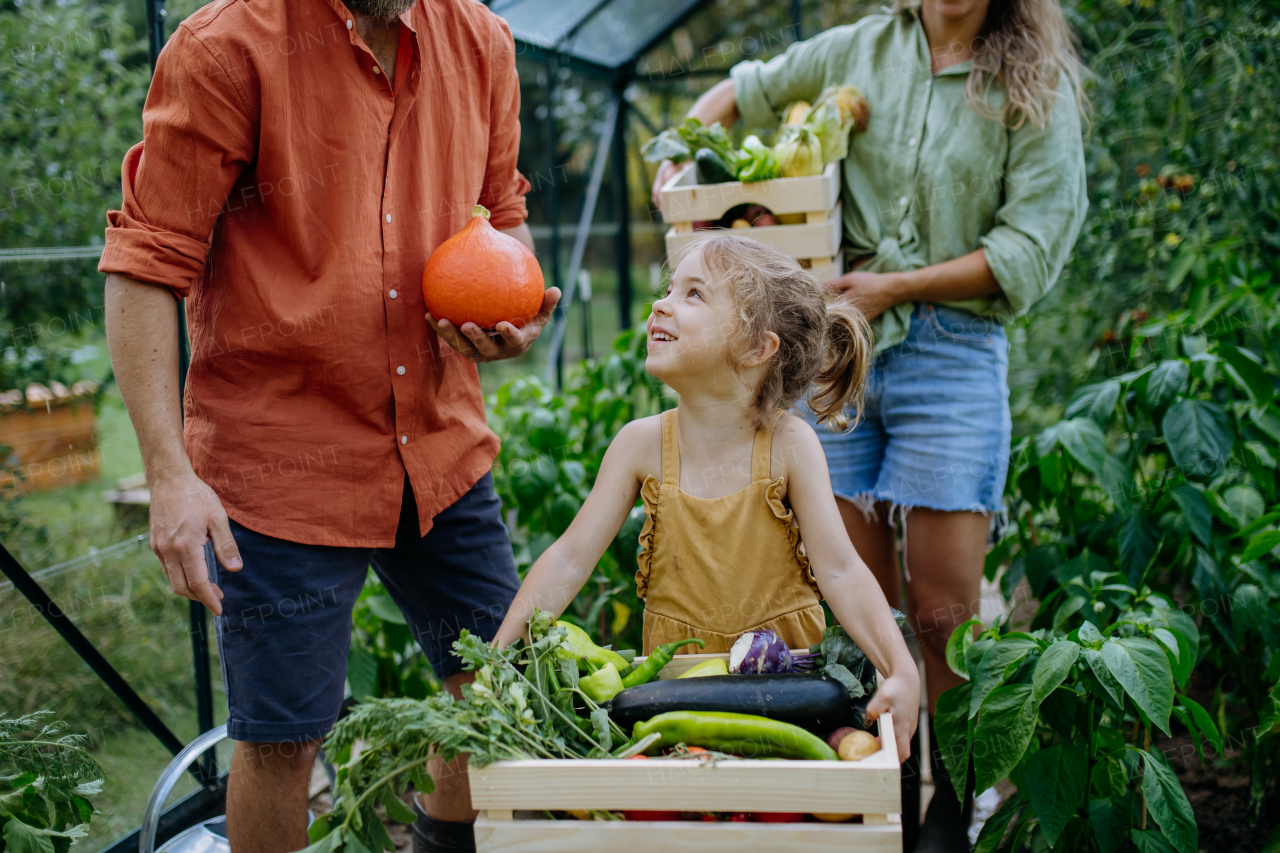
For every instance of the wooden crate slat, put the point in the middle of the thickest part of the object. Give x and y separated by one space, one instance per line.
581 836
739 785
808 240
684 200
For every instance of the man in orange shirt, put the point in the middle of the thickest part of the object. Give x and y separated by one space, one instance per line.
300 161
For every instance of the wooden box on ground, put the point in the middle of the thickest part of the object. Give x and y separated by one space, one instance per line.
506 793
48 446
815 242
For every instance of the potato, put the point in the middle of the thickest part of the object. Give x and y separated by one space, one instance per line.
833 739
858 745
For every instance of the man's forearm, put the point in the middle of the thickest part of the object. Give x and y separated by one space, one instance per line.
142 335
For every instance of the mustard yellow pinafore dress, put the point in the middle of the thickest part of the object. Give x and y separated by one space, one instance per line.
714 568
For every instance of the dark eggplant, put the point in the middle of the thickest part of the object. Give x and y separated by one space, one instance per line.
710 169
817 703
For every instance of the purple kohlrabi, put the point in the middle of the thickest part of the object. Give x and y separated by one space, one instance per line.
758 652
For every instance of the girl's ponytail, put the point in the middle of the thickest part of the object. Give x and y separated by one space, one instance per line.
843 377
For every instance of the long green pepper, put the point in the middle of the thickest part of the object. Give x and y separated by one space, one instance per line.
653 664
739 734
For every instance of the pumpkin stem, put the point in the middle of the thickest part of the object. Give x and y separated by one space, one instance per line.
480 210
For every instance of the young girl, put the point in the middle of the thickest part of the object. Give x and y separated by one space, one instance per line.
731 480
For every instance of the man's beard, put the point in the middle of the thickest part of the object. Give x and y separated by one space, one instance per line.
383 11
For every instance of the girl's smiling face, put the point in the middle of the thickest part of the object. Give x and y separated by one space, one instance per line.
691 326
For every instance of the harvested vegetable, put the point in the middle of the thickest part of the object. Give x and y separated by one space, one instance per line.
756 161
764 651
812 702
603 684
799 153
741 734
710 168
715 666
679 144
833 739
795 113
740 223
833 818
654 663
578 645
839 657
482 276
858 745
651 815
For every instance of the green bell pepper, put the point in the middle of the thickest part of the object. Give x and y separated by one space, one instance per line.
603 684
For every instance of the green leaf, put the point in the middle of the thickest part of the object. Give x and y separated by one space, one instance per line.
1260 544
1181 265
1199 436
1168 804
958 643
385 608
1165 383
996 825
21 837
1204 723
396 808
1267 421
1042 562
1089 634
1139 540
1143 670
1005 725
1195 511
1083 439
951 727
1150 841
1244 504
1093 657
1096 401
1000 662
1109 819
362 670
1249 611
1249 373
1052 668
1056 779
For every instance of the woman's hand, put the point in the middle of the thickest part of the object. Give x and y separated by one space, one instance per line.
872 293
666 171
900 696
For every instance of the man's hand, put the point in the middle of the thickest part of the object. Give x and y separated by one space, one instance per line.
474 343
872 293
899 695
185 514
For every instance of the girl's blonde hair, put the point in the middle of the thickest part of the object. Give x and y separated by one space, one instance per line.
1025 45
824 347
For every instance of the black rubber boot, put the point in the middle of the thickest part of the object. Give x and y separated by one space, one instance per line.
441 836
946 823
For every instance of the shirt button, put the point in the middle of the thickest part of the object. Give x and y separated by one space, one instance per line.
404 439
392 294
912 142
349 24
400 370
388 217
377 70
903 201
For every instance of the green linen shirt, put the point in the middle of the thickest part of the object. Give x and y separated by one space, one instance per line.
929 179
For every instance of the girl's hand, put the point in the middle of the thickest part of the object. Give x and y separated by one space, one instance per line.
899 695
872 293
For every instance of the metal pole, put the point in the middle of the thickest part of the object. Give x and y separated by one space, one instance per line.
796 18
553 198
622 239
197 615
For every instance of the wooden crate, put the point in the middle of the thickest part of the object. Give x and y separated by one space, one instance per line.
815 242
512 794
49 447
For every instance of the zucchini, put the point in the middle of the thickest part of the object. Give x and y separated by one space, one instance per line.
816 703
709 168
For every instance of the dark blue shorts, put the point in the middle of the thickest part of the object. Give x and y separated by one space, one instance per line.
285 627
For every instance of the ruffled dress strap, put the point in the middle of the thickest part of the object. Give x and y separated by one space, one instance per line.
651 493
670 448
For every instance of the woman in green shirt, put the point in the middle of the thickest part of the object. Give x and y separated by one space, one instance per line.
961 201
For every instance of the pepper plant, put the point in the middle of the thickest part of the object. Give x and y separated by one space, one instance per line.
1067 713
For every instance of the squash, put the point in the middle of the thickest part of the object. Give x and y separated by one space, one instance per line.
483 276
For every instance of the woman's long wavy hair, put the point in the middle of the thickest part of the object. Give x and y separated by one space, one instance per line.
1025 45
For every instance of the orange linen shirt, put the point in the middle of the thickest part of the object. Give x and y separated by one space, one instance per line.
293 195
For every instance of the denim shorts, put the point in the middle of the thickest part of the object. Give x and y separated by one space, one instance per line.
935 426
285 627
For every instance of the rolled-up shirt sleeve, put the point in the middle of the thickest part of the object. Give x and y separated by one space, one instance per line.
764 89
198 136
504 187
1045 204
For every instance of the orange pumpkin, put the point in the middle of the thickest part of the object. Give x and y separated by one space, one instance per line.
482 276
